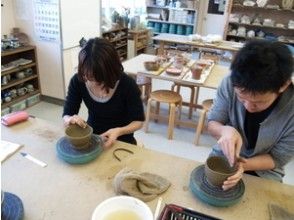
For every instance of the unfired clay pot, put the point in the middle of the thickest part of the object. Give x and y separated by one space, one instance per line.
79 137
218 169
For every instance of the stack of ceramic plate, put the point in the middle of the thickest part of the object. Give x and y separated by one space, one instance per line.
172 29
150 24
213 195
157 27
189 30
68 153
181 29
164 28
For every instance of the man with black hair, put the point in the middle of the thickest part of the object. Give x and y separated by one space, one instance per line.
252 116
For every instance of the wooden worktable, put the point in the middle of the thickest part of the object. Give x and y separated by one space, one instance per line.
64 191
135 65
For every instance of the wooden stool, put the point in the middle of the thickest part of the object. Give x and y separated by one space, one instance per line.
145 85
166 96
206 106
193 95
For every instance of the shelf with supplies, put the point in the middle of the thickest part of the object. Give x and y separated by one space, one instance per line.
272 20
16 69
262 8
175 17
20 85
169 22
138 42
119 39
20 98
167 7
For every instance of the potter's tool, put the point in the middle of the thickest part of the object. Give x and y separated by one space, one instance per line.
33 159
121 149
176 212
157 209
214 195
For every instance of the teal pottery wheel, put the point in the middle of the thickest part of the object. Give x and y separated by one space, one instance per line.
11 207
69 154
213 195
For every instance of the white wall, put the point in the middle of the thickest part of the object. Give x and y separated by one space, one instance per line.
7 17
56 66
210 23
70 63
48 54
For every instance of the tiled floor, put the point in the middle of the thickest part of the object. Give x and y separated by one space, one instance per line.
182 144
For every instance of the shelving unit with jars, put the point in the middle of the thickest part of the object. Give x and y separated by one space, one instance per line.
20 85
119 38
174 17
268 20
137 42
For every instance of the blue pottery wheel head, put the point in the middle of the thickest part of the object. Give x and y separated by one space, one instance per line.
11 207
69 154
213 195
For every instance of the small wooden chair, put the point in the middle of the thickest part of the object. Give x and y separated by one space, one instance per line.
173 99
145 85
193 95
206 104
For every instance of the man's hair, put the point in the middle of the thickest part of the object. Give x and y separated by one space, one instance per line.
98 60
262 66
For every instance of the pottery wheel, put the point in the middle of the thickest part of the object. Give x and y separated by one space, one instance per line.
214 195
68 153
12 207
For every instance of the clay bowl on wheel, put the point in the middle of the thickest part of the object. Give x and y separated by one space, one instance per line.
79 137
218 169
151 65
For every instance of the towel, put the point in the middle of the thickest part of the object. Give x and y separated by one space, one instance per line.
144 186
14 117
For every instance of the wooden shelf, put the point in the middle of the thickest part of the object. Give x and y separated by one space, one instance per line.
113 37
17 69
19 99
279 16
16 51
123 45
29 53
118 39
17 82
138 41
114 30
261 26
122 54
248 38
261 8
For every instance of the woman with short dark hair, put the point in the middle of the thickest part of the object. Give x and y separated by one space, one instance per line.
115 109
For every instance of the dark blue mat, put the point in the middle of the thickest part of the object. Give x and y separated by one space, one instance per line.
12 207
68 153
213 195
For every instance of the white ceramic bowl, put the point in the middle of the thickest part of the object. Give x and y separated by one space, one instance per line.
125 204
